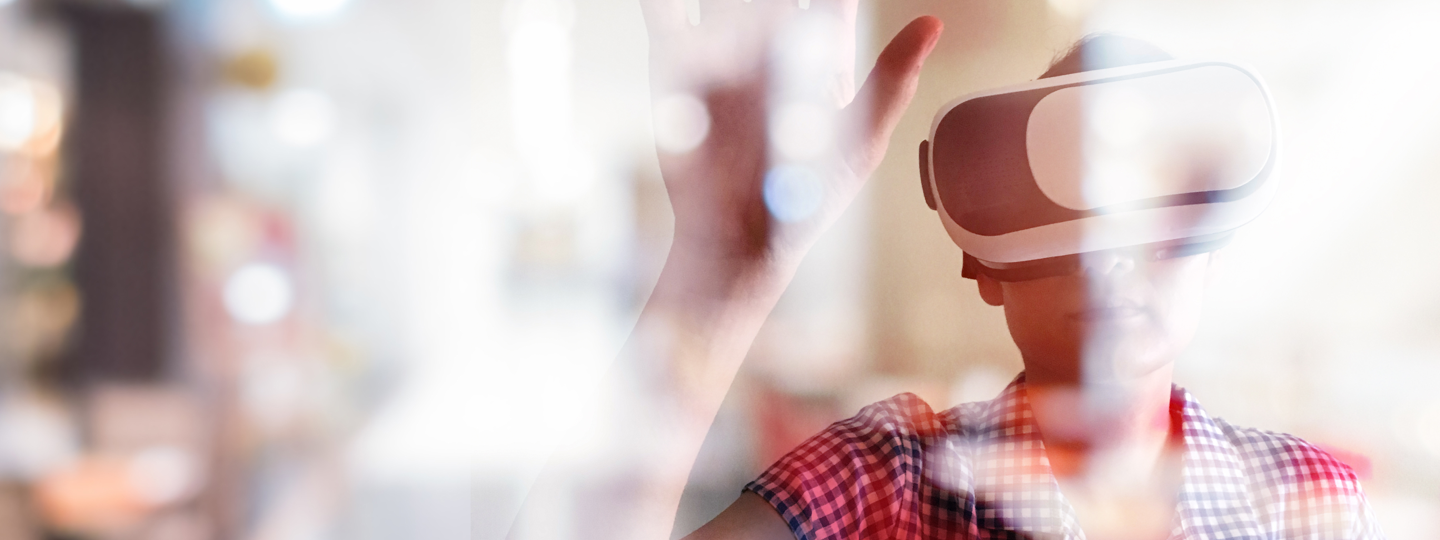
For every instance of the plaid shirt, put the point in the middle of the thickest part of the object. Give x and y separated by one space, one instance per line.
979 471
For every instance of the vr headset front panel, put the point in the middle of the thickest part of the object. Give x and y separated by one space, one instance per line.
982 163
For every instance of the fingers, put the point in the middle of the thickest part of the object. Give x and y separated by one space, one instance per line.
846 8
888 90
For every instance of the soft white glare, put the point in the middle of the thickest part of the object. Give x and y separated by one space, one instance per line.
258 293
1111 178
1127 117
793 193
37 438
399 440
539 44
539 58
163 474
801 131
566 178
1427 429
18 111
345 201
308 9
979 384
302 118
274 389
1125 120
453 261
808 47
1071 8
1200 129
681 123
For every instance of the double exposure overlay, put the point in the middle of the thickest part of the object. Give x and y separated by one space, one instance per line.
655 269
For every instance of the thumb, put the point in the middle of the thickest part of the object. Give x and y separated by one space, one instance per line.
888 90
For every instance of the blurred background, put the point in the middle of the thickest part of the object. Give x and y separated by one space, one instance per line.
322 269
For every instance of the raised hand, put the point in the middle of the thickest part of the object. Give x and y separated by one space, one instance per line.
762 139
763 143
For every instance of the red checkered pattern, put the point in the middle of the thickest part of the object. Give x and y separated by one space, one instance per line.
978 471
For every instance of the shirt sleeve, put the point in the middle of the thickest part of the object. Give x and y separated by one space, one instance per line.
1366 527
856 479
1307 492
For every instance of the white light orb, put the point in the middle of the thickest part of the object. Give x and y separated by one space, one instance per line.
258 294
302 10
681 123
18 111
163 474
793 193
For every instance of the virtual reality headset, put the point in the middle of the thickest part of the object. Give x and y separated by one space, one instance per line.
1164 158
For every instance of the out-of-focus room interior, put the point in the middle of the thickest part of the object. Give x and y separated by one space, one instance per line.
325 269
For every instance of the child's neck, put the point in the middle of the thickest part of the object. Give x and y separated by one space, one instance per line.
1110 449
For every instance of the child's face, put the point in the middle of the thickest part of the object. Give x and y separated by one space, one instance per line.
1120 318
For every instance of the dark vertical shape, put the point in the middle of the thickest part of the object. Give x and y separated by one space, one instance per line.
115 166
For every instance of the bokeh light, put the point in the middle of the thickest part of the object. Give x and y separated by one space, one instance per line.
18 111
308 10
396 245
793 193
45 237
258 294
681 123
164 474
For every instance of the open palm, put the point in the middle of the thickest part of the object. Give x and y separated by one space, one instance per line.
763 140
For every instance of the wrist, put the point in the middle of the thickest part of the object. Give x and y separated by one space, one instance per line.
708 272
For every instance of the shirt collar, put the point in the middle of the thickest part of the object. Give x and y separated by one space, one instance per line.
1215 491
1015 488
